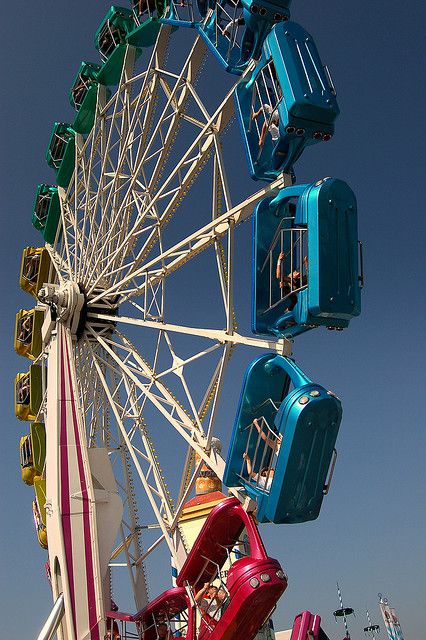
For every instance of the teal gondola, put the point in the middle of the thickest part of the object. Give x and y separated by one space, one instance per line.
306 267
283 440
185 13
111 42
287 103
236 29
223 30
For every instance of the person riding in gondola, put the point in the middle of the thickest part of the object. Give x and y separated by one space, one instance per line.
79 91
271 124
23 390
25 329
229 30
114 632
164 632
223 600
144 6
31 266
264 478
210 605
273 443
291 282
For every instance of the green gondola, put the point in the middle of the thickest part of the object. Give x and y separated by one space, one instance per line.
60 154
83 96
47 211
111 42
147 16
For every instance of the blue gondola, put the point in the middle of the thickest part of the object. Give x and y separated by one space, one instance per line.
259 18
287 103
236 29
283 441
305 259
223 30
203 6
185 13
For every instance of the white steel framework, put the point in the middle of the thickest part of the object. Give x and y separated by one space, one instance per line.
153 139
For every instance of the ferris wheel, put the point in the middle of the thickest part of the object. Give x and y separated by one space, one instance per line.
127 372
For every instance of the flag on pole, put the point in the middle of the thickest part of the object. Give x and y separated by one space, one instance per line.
391 620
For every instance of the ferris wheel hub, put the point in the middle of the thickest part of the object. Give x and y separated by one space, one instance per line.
67 302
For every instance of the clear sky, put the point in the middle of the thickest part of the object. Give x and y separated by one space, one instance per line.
371 532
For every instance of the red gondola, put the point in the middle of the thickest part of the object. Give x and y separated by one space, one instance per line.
253 585
306 626
254 582
171 611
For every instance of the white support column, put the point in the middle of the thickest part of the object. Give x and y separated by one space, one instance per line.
78 546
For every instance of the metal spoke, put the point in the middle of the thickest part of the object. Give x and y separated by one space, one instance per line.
282 346
186 249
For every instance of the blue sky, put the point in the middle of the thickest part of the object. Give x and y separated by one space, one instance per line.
371 532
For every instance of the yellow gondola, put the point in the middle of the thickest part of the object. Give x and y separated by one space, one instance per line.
26 460
32 453
28 393
35 266
39 511
27 341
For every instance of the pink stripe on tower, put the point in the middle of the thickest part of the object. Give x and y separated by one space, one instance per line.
65 490
91 596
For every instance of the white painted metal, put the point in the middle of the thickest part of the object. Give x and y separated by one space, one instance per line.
54 619
74 508
151 140
282 346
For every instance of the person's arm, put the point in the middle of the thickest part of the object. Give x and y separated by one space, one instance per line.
201 592
281 257
259 430
263 134
256 114
269 441
249 466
